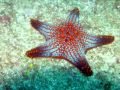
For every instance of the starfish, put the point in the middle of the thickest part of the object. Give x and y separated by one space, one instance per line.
67 41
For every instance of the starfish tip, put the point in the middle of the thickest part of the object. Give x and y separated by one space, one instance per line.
106 39
35 23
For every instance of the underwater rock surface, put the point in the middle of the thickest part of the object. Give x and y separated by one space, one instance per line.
17 72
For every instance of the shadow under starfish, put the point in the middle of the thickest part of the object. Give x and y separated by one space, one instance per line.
67 41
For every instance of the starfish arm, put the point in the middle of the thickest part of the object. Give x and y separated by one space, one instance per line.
37 52
42 51
77 59
49 49
95 41
43 28
82 65
74 16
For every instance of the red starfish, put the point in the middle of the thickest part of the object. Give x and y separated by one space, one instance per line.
67 41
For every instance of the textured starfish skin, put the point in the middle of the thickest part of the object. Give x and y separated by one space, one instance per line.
67 41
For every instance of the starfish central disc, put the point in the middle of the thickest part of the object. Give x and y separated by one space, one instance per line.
67 34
